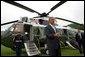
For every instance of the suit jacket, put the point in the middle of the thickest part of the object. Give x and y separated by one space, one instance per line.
52 41
77 37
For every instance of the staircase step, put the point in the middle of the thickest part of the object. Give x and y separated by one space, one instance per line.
31 48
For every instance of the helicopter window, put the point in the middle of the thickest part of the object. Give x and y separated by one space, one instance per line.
24 19
42 22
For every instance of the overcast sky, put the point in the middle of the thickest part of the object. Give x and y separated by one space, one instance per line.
71 10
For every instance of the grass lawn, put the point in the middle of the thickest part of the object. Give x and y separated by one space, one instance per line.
9 52
6 51
67 51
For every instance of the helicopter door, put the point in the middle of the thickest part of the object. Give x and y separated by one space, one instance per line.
27 31
30 46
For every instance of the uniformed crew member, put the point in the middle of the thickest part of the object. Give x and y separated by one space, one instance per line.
18 43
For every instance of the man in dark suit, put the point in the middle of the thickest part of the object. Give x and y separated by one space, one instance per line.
52 35
79 40
83 39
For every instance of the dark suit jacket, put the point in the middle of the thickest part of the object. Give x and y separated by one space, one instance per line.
52 41
77 37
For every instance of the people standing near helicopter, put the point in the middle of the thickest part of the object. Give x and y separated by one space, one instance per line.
52 36
18 43
83 39
79 40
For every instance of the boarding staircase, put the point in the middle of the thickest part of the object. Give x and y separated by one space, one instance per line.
31 48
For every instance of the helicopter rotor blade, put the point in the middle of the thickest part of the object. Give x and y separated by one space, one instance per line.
22 6
37 17
56 6
68 20
9 22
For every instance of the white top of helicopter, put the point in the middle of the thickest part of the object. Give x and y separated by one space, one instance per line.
34 22
57 26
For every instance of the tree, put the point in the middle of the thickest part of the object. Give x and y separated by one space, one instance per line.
76 26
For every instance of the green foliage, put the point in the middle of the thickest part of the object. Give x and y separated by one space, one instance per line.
76 26
8 42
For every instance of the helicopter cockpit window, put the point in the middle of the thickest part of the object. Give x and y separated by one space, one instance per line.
24 19
40 21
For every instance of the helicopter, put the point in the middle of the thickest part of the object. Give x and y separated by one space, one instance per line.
31 25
